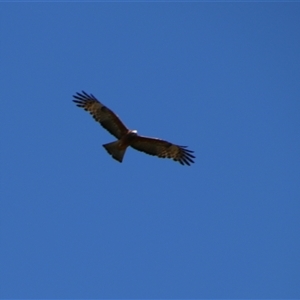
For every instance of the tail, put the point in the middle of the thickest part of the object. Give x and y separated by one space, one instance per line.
115 150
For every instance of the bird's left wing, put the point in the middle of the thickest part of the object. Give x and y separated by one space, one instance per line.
163 149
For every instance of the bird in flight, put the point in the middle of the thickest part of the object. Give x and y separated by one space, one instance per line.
125 137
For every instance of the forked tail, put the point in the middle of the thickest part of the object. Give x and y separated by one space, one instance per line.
115 150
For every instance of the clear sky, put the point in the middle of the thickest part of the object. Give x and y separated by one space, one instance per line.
221 78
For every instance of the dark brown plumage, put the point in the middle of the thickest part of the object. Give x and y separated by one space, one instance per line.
111 122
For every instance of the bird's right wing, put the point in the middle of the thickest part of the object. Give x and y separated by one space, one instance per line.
102 114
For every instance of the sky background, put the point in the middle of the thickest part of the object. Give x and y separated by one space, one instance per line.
221 78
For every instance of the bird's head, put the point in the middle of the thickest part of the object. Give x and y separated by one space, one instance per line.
133 132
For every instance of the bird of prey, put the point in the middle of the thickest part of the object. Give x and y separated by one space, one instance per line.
125 137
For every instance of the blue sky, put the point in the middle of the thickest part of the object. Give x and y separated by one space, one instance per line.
221 78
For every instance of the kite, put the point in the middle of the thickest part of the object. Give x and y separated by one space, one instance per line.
125 137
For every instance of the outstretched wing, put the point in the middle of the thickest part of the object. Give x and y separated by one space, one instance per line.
106 117
163 149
